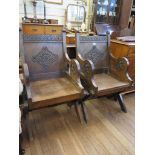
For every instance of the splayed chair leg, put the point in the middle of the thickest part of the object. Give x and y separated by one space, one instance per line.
28 126
121 103
78 111
84 111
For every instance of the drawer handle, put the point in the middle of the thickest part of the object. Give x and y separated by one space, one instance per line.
53 30
34 29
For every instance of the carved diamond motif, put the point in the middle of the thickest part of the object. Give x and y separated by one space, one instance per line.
94 55
45 58
120 65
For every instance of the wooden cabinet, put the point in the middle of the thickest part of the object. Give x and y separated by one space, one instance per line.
54 29
38 29
107 11
111 15
125 13
70 39
33 29
125 49
71 45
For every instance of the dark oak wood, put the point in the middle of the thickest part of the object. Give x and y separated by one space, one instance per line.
108 132
101 73
50 76
121 102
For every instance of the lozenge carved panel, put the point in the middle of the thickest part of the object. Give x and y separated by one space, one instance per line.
45 58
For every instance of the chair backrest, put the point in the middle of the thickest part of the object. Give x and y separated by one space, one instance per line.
94 48
45 55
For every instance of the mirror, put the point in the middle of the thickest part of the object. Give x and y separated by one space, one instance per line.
75 13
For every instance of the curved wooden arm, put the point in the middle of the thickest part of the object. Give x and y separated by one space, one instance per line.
26 73
74 74
87 75
119 68
27 81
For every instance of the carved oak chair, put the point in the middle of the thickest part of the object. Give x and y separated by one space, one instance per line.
101 73
51 78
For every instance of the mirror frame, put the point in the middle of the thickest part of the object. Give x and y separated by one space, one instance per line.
76 22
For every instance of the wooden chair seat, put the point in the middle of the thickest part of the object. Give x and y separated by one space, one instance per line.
108 83
53 91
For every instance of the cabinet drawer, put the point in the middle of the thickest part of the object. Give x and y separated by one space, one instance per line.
70 40
33 29
53 29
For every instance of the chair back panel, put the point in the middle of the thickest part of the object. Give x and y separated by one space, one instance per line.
44 55
94 48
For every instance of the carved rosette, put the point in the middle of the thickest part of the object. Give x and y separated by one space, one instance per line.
120 65
87 69
73 70
45 58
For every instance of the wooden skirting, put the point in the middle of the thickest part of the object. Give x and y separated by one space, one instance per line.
109 131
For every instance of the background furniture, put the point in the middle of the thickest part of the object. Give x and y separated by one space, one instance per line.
41 29
40 20
102 74
125 49
111 15
51 78
107 11
125 13
132 16
76 13
122 33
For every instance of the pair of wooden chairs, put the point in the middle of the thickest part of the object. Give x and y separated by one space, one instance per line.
52 78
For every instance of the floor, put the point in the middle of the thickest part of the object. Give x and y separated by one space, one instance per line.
57 131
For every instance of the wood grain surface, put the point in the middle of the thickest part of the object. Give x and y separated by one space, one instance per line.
57 131
53 91
107 83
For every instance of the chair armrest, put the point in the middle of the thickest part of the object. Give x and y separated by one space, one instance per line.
87 75
119 68
74 73
26 73
27 82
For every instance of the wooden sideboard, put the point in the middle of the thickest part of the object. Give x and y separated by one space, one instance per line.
38 29
125 49
70 38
